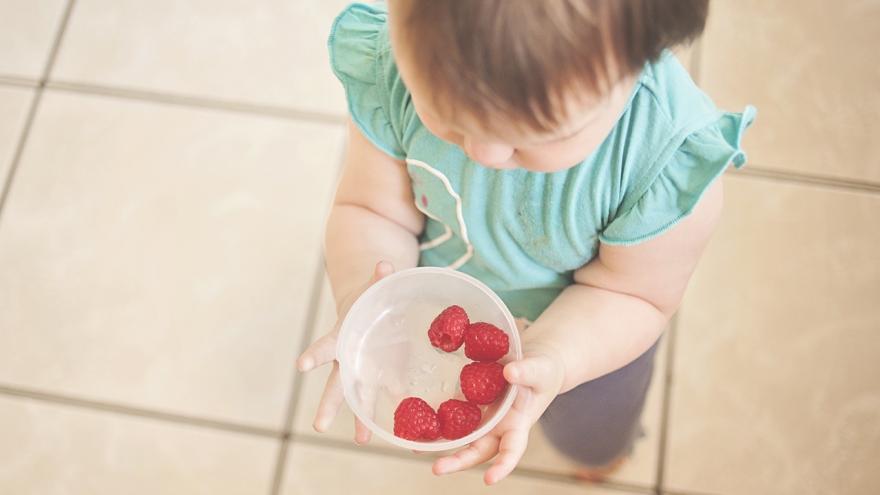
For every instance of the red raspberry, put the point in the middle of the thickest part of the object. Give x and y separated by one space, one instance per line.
485 342
414 419
447 329
458 418
482 383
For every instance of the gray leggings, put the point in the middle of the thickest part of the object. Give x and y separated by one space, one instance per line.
598 421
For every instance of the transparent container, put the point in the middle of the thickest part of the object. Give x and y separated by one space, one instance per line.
385 355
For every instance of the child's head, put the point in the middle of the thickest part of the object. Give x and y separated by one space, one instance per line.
531 83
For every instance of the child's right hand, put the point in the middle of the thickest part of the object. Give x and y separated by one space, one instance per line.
323 351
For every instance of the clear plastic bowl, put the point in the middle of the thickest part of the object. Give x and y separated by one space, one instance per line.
384 353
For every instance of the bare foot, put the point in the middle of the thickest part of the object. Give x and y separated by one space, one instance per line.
595 474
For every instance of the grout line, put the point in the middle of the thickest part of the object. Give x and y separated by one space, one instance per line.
315 299
308 334
278 469
320 440
19 149
331 119
305 339
677 492
56 43
66 400
782 176
10 80
198 102
538 474
426 458
668 378
807 179
35 103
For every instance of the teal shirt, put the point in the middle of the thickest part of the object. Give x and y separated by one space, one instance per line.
524 233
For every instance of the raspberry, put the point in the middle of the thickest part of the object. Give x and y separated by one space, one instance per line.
447 329
482 383
414 419
485 342
458 418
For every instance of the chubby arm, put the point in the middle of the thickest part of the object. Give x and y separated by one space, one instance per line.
373 218
622 300
615 310
373 222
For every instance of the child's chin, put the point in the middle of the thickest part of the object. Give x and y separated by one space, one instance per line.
546 168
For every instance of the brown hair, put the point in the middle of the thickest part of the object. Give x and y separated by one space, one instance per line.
518 57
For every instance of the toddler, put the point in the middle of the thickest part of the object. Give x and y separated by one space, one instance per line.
558 152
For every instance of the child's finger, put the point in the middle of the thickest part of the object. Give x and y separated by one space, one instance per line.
321 351
476 453
366 394
510 451
330 401
362 434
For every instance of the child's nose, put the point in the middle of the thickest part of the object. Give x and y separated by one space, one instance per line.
488 153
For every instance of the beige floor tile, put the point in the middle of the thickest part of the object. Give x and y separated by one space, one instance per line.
318 470
162 257
27 29
57 450
14 103
271 52
641 469
777 381
807 66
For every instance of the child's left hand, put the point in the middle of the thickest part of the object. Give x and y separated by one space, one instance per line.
539 376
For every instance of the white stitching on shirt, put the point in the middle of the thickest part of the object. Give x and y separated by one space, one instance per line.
459 214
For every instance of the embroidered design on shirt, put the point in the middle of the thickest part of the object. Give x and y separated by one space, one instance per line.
421 205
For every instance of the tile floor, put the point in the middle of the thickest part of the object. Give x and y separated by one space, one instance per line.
169 165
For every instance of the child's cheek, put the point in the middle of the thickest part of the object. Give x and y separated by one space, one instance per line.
442 132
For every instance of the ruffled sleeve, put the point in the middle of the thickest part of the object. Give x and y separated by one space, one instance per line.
677 188
357 57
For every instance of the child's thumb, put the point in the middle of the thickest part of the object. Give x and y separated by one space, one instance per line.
535 371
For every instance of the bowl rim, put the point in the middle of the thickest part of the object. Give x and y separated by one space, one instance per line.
344 370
